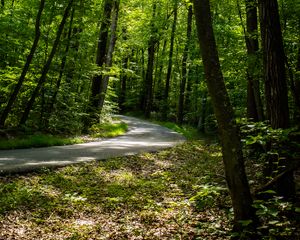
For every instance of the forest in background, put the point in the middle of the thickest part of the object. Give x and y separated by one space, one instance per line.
66 65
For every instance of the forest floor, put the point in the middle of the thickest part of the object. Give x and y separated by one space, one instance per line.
142 136
178 193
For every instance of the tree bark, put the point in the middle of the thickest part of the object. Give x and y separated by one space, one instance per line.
62 67
254 103
170 63
148 84
275 78
46 66
100 60
17 88
274 67
184 66
109 56
228 130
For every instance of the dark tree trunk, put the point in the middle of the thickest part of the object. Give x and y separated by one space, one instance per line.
170 64
2 3
62 67
148 85
275 78
274 66
17 88
254 103
100 61
109 56
229 132
123 78
46 66
184 66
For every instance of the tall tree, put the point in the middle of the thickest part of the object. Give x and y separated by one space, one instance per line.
109 56
276 92
254 103
46 66
18 86
100 61
170 63
184 66
228 130
147 93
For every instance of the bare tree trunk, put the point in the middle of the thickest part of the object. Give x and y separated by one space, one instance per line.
184 66
274 66
254 103
170 64
229 131
17 88
147 96
62 67
100 61
46 66
275 78
108 60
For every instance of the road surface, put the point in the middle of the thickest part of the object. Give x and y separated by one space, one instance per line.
142 136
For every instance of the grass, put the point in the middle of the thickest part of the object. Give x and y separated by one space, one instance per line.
38 140
190 132
149 196
46 140
106 130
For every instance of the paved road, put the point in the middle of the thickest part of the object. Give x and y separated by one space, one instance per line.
142 136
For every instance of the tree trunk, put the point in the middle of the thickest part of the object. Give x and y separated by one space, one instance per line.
17 88
109 56
170 64
275 78
274 66
229 132
62 67
184 66
254 103
148 86
46 66
100 60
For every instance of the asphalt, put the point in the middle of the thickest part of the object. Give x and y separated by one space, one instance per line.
142 136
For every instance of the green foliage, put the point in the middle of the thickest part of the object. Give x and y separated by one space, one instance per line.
274 216
207 196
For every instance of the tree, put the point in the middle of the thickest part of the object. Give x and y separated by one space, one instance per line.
184 66
109 56
95 98
46 66
147 93
18 86
276 92
274 66
254 103
228 130
170 63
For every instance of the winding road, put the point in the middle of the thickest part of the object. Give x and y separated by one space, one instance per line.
142 136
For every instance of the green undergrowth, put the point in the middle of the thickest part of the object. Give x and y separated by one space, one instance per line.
38 140
190 132
174 194
104 130
108 129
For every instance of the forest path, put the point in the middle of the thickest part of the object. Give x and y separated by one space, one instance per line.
142 136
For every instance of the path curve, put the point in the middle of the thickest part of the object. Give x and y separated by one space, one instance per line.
142 136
